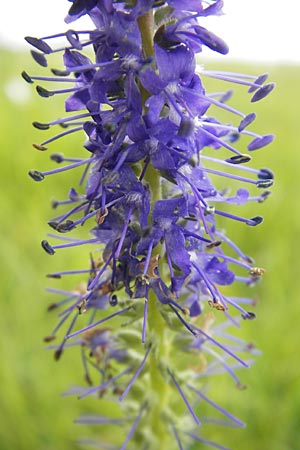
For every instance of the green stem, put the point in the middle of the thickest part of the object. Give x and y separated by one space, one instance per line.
146 26
157 328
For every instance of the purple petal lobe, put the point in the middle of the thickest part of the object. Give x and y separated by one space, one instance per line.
211 40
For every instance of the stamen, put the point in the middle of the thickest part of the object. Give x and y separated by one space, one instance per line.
54 138
123 235
222 347
234 247
94 282
177 437
59 351
233 78
140 368
229 175
99 322
221 360
30 78
145 316
206 281
184 398
103 386
206 441
61 121
217 407
46 93
133 428
218 140
39 176
252 222
98 420
187 326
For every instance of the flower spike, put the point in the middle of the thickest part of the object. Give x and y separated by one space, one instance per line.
159 172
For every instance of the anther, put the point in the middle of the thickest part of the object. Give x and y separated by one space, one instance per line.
209 210
40 147
47 247
239 159
54 203
100 216
39 58
41 126
58 354
113 301
52 306
213 244
265 174
256 271
247 120
57 157
260 142
264 184
255 221
62 227
82 307
264 196
259 81
36 175
43 92
249 316
60 73
39 44
49 338
216 305
26 77
53 275
262 92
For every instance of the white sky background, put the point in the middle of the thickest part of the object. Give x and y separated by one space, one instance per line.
259 30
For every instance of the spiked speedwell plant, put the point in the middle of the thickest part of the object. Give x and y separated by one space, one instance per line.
147 317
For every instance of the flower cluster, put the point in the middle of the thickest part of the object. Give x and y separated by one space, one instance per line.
152 152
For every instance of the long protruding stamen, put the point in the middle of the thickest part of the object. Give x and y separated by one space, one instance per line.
122 238
219 408
206 441
252 222
103 385
134 427
54 138
184 398
140 368
146 303
222 347
69 336
34 173
176 435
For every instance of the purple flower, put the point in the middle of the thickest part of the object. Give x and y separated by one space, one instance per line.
151 159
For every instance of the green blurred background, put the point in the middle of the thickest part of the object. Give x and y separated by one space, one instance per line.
33 414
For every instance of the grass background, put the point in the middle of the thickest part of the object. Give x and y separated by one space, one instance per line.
33 415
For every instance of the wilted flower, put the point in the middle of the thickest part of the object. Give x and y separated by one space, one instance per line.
151 149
